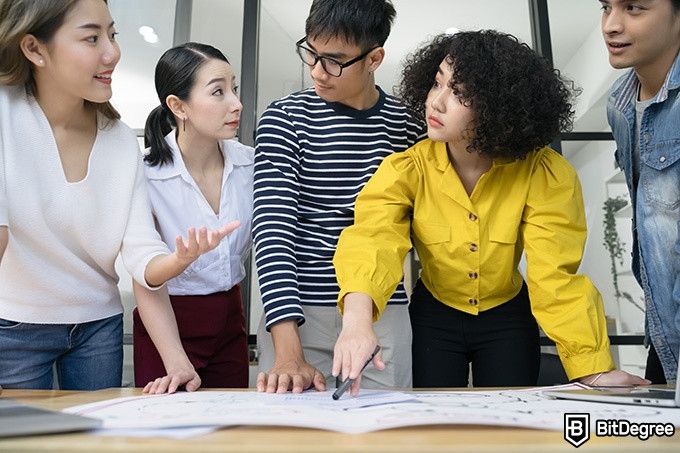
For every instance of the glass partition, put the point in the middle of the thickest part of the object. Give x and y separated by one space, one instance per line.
280 70
220 24
145 31
583 58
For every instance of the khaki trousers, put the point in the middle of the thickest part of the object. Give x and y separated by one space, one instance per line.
320 331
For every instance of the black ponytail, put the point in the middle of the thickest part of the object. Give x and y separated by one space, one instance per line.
158 124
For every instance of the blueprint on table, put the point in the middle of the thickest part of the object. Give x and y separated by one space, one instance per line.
372 410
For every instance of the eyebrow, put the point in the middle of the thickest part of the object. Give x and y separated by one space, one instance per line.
334 56
624 2
221 79
215 80
94 26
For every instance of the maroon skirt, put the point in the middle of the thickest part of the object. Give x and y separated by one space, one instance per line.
213 334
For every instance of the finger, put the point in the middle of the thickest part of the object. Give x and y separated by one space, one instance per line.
261 382
202 241
337 363
356 385
319 381
154 386
272 383
284 383
191 244
193 384
299 384
636 380
631 379
214 238
175 382
163 385
147 387
378 362
180 246
347 367
229 227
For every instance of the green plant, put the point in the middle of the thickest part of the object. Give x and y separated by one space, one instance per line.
612 241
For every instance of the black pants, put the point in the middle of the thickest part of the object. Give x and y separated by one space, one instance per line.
654 371
501 343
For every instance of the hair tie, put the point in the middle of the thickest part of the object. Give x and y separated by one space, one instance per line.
592 383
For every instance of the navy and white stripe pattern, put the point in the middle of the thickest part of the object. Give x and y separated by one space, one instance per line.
312 158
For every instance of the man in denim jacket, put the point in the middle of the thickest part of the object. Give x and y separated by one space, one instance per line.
643 111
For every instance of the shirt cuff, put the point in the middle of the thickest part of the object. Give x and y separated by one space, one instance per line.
581 365
362 285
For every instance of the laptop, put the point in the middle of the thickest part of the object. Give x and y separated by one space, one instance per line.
18 419
640 396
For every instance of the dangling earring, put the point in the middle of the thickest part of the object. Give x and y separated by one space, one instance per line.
184 124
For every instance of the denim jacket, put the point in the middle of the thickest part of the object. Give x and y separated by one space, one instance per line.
656 204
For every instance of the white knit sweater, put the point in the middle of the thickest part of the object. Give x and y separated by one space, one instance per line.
64 237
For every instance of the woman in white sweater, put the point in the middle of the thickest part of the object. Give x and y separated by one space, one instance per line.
72 197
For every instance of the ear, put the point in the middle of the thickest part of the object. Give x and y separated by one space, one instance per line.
375 58
176 106
33 50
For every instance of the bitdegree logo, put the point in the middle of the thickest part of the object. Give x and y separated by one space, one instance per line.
622 428
577 429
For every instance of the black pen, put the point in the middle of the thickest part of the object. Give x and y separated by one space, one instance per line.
348 382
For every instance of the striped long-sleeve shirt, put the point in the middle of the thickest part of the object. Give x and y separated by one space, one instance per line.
312 158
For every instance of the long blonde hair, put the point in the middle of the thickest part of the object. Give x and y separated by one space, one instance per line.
42 19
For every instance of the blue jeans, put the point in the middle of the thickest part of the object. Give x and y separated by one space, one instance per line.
87 356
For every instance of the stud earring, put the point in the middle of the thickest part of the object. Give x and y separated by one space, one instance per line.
41 61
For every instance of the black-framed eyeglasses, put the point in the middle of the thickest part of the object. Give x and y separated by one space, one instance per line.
331 66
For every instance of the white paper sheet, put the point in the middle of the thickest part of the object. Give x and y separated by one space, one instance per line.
372 410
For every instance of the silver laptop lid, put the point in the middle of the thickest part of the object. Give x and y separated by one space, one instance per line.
18 419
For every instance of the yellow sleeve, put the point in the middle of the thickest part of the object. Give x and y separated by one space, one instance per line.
566 305
370 253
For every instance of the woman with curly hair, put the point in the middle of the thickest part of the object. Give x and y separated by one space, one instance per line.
483 189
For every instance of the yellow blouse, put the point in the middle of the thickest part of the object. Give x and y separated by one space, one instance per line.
470 246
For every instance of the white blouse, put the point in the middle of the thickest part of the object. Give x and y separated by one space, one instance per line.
179 204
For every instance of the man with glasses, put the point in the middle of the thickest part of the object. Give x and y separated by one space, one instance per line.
315 150
330 65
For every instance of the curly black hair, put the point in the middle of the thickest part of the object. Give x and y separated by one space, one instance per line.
520 102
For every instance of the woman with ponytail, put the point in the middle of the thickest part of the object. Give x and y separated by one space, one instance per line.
196 172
